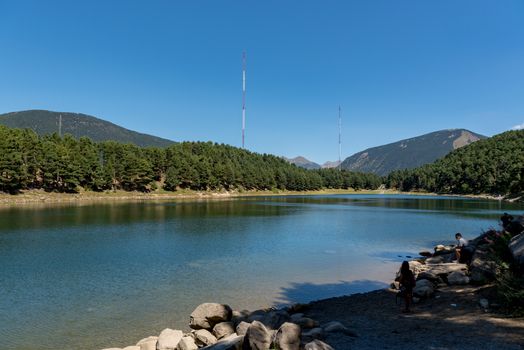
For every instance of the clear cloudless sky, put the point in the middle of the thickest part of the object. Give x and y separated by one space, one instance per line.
173 68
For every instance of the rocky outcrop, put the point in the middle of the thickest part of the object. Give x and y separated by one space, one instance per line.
207 315
516 247
257 337
288 337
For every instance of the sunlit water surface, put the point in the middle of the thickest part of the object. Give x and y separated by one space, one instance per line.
102 275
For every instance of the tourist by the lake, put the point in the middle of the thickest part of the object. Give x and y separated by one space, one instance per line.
506 219
462 243
407 283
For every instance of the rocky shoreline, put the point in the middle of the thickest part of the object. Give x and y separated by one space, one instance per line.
455 298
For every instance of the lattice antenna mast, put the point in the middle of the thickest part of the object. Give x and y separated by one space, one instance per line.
243 97
339 139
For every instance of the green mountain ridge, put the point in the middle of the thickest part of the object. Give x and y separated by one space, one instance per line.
45 122
409 153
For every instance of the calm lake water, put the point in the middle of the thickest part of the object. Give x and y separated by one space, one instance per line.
103 275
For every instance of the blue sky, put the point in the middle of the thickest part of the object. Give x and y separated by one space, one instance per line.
173 68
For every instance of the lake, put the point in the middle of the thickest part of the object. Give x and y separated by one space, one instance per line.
90 276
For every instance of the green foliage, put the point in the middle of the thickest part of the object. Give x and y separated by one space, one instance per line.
67 164
494 166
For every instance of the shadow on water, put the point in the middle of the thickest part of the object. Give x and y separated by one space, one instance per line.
306 291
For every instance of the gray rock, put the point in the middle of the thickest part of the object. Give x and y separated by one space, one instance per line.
169 339
242 328
429 275
317 345
208 314
296 316
257 337
203 337
148 343
314 333
223 329
337 327
187 343
424 289
416 267
306 322
288 337
458 278
275 318
233 342
132 347
516 247
239 316
482 270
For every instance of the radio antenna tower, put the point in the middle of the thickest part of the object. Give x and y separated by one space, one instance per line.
243 97
339 140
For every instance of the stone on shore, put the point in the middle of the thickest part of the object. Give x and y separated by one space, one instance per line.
458 278
288 337
337 327
203 337
132 347
314 333
482 269
169 339
207 315
232 342
275 318
242 328
306 322
223 329
148 343
257 337
187 343
317 345
424 289
516 247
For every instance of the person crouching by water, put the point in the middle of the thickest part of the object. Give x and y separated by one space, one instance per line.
407 283
460 248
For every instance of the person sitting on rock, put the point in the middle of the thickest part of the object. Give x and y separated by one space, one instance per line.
407 283
506 219
461 245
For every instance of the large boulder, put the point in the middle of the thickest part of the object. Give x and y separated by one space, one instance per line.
482 269
223 329
424 289
275 318
233 342
203 337
169 339
337 327
242 328
516 246
317 345
207 315
148 343
257 337
288 337
187 343
457 278
311 334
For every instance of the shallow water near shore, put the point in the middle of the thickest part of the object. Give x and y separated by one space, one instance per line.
102 275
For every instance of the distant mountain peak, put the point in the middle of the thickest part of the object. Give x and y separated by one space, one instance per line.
410 153
45 122
303 162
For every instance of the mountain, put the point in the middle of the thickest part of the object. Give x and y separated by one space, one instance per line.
328 164
46 122
410 153
303 162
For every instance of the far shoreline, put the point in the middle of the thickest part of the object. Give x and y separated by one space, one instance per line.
41 197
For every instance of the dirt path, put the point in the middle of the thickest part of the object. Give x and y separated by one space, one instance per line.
433 324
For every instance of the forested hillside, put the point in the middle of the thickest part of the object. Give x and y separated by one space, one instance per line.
494 166
78 125
409 153
29 161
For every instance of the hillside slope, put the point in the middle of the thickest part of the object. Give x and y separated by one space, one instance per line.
46 122
409 153
303 162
